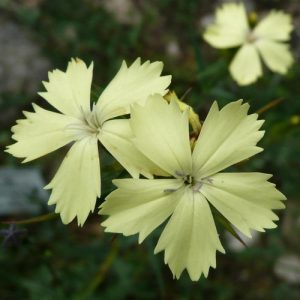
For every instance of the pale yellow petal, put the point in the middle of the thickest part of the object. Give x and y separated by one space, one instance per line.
245 67
162 134
244 199
230 28
116 136
140 205
131 84
277 56
42 132
69 91
227 136
76 185
190 239
276 26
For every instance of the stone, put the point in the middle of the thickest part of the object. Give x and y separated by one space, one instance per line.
287 268
22 66
21 191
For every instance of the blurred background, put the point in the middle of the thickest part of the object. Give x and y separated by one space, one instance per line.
47 260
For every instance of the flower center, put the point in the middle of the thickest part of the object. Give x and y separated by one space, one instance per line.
91 121
89 125
251 38
189 180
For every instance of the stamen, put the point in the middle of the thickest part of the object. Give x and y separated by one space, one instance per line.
197 186
90 123
95 116
180 173
188 179
170 190
208 179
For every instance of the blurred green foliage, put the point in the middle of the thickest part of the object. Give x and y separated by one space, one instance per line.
65 262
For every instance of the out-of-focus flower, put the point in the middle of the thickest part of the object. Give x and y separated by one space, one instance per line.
12 235
124 11
190 239
266 40
76 185
295 120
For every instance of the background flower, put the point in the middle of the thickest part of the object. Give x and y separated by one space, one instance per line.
266 40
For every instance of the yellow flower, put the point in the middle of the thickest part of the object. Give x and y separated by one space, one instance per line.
190 239
76 185
231 29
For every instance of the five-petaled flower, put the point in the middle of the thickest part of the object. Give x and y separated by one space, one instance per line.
76 185
190 239
231 29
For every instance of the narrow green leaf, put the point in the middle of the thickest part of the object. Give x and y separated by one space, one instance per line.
100 275
37 219
270 105
227 225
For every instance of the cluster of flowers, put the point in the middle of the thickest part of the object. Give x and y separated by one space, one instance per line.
182 177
